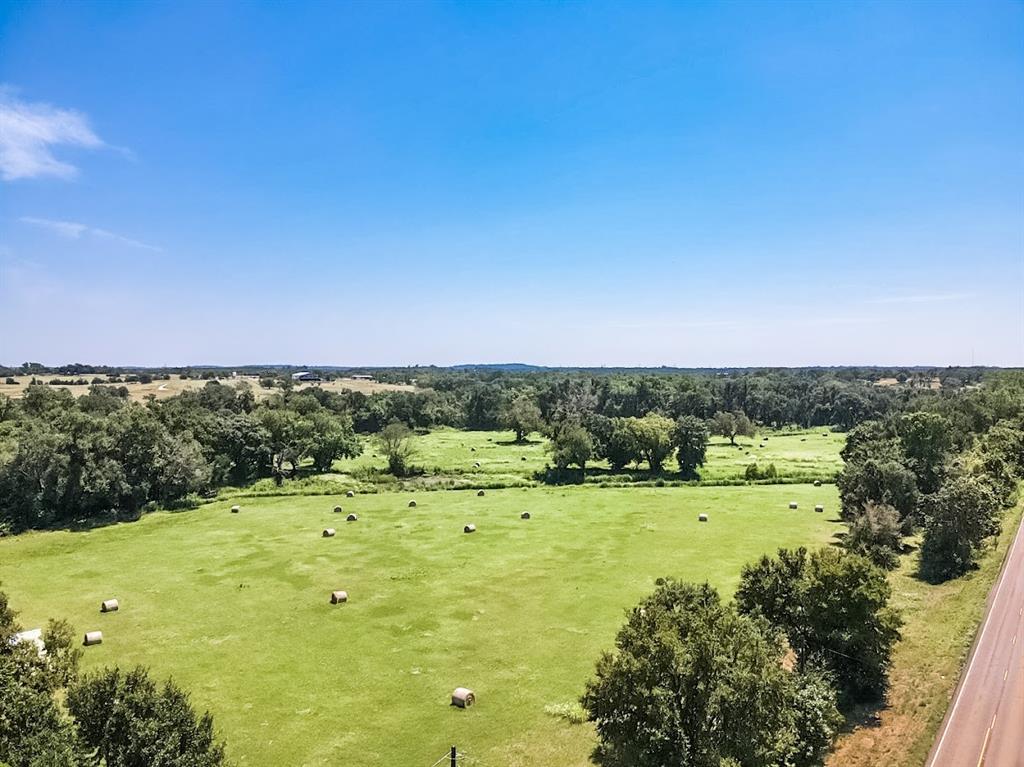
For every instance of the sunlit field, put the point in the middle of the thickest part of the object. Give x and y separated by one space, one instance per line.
236 607
495 457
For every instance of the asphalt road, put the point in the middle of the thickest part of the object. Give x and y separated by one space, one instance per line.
984 726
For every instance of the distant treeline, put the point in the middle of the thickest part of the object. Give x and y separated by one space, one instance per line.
65 459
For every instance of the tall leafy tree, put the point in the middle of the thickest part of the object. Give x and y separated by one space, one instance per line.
834 609
690 436
129 721
959 518
692 683
521 415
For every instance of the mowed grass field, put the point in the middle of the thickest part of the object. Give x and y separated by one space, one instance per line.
235 607
797 455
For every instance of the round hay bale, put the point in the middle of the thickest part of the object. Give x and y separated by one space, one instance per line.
235 509
351 518
525 515
350 494
803 439
522 458
472 450
92 637
329 532
819 508
792 504
476 464
702 517
479 493
109 606
463 697
412 504
469 529
817 483
338 597
338 510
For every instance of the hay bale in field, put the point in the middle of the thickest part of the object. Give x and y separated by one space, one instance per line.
338 597
469 529
350 494
412 504
92 637
109 606
523 458
479 493
702 517
338 510
525 515
463 697
235 509
792 504
803 439
817 483
472 450
476 464
351 518
819 508
328 532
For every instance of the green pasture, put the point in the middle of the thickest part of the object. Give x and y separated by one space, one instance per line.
452 454
235 606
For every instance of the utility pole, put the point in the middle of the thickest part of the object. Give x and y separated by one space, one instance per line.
455 756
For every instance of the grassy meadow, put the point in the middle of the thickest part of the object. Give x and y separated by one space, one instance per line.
798 456
235 607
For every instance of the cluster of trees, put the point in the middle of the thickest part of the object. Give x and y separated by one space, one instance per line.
947 472
107 717
64 459
652 439
700 683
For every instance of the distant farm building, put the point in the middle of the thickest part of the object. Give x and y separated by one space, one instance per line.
306 375
361 377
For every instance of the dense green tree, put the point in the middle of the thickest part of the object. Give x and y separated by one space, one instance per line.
834 609
287 432
690 437
926 440
395 443
572 446
878 476
521 415
694 684
959 518
33 731
877 534
653 437
331 437
131 722
732 425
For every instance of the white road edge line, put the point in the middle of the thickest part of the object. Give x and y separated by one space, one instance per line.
974 656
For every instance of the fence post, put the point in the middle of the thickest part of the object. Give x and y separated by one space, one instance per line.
455 756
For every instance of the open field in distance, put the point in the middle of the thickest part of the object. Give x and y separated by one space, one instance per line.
176 385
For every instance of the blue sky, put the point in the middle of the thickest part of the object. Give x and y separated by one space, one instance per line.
559 183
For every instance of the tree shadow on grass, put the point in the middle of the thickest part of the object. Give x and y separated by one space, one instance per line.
524 443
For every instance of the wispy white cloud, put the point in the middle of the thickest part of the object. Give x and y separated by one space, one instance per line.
925 298
30 130
74 230
68 229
